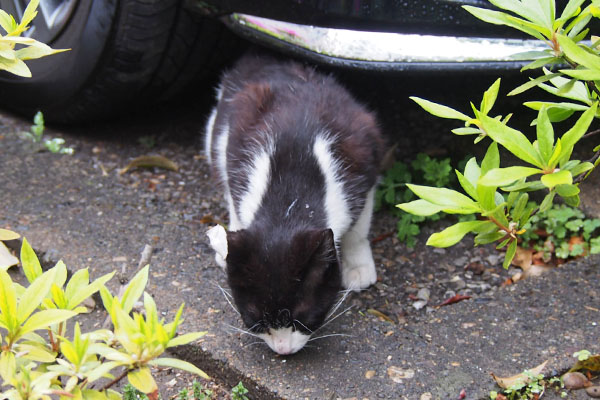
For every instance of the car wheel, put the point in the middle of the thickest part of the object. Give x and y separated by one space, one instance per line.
124 54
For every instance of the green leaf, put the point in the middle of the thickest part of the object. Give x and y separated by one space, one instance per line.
466 131
179 364
572 136
142 380
489 97
539 63
7 21
500 18
491 159
8 365
30 262
34 294
577 54
16 66
532 83
466 185
513 140
567 190
572 201
5 234
45 318
577 91
547 202
510 254
571 9
451 200
8 301
35 352
581 168
185 339
36 50
420 207
536 105
472 171
545 135
134 289
439 110
517 212
490 237
557 178
29 13
582 74
75 298
505 176
453 234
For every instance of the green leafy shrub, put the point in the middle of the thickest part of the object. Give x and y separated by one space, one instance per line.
36 367
548 158
17 49
392 190
563 231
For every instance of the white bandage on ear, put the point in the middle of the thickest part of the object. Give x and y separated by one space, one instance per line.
218 241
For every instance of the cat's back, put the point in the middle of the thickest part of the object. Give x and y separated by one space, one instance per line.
287 120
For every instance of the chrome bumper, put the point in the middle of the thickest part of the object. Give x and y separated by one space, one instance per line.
384 50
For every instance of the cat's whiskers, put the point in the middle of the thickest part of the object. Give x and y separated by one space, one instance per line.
338 304
228 297
329 335
255 343
304 326
327 322
242 331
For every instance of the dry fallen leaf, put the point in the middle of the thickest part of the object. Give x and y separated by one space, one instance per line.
380 315
521 378
592 363
369 374
150 161
524 259
7 260
397 374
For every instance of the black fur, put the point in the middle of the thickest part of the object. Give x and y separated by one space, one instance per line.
284 268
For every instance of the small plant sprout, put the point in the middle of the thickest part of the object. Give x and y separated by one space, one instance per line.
239 392
582 355
548 163
55 145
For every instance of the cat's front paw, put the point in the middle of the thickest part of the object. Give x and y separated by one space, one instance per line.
358 274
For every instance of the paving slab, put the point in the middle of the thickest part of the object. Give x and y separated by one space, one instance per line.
80 209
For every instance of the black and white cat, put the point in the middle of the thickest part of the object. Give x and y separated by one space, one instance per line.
298 159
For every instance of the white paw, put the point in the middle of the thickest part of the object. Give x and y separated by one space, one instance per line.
358 269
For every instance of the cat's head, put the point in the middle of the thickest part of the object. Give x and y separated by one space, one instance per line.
282 286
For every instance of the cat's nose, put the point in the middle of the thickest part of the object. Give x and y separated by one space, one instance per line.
283 347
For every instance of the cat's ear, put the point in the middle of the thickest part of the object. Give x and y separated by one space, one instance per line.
218 241
249 104
314 249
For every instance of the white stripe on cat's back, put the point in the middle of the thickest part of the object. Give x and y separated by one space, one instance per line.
210 123
259 175
336 207
209 134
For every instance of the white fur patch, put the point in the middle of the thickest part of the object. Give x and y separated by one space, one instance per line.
209 134
258 180
284 340
336 207
358 267
218 241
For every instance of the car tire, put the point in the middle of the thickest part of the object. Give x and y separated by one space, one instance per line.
124 54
